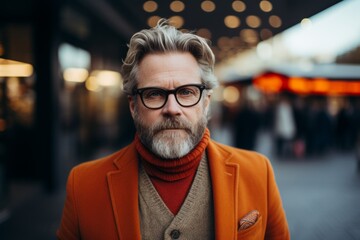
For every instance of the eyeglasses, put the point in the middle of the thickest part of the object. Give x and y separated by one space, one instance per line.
156 98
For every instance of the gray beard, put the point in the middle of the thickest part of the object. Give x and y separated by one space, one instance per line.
170 145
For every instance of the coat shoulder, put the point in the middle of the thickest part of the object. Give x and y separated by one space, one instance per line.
105 164
246 158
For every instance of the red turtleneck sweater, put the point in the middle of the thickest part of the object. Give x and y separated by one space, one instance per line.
172 178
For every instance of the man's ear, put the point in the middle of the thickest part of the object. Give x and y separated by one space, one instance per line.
131 105
208 98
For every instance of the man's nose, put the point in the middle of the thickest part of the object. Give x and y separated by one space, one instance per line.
172 106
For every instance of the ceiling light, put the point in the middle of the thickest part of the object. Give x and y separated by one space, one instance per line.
253 21
306 23
177 6
238 6
265 34
232 21
235 41
224 43
176 21
275 21
265 6
204 32
208 6
150 6
249 35
152 21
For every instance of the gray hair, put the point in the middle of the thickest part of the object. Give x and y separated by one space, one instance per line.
165 38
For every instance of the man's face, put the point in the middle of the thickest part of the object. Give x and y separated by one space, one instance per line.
171 131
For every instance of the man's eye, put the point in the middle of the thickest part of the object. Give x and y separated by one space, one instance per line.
153 93
186 91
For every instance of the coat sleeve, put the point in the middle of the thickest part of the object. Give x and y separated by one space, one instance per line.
277 227
69 226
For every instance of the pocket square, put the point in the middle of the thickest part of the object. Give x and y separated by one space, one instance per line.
249 219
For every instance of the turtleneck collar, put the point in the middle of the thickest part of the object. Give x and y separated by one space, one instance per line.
172 169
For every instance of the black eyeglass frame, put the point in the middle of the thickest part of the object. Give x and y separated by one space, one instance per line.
140 92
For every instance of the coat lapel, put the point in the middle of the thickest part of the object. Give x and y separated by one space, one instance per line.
224 176
123 188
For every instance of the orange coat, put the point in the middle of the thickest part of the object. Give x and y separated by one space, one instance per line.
102 197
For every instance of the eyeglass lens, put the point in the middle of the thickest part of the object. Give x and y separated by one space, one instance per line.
185 95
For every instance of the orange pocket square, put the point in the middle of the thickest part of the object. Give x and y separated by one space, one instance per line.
249 219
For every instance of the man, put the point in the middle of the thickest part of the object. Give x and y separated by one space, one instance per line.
172 181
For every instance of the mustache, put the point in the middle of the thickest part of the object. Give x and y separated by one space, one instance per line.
172 123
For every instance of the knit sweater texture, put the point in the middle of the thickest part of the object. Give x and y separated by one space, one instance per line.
195 219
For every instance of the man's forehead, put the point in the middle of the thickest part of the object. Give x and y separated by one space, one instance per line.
179 68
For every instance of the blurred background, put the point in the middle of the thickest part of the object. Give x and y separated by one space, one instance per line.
289 73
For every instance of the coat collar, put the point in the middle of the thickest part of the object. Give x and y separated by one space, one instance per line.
123 188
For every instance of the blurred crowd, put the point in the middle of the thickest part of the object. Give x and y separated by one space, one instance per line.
300 126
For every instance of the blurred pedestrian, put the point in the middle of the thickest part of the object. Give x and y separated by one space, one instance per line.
300 113
246 125
285 127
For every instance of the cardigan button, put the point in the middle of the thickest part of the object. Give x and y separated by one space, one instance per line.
175 234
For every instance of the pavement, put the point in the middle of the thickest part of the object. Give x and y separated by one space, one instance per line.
321 197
